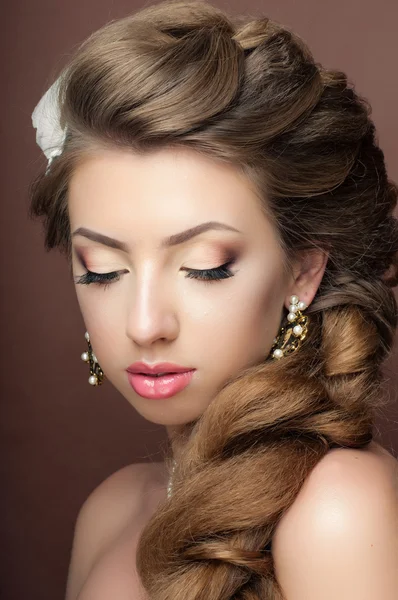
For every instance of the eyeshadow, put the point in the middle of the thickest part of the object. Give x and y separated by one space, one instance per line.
218 252
81 258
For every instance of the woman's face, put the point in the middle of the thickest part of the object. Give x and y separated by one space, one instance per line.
157 311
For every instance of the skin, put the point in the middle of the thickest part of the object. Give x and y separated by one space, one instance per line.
344 522
345 515
155 312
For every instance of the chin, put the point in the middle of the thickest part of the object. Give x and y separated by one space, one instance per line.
169 411
180 409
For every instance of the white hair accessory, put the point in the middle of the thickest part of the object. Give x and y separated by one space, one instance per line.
50 136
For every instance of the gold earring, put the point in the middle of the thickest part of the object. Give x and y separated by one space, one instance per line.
291 336
96 373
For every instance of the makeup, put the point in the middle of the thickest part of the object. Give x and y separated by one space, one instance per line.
157 388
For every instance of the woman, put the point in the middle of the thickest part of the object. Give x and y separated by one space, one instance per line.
225 209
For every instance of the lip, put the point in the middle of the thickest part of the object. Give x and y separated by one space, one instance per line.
161 367
157 388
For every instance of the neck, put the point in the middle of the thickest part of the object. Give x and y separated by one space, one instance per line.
178 437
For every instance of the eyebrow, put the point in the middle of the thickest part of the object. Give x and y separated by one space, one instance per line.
173 240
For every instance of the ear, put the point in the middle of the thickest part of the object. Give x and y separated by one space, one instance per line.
307 272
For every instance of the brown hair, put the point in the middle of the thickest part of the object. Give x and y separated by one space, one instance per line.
246 90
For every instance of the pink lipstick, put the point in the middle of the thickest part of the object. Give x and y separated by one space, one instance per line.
161 380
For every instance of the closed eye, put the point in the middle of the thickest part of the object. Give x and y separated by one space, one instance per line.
208 275
221 272
103 279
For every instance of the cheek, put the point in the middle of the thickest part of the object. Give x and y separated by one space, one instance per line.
100 304
89 308
101 319
240 329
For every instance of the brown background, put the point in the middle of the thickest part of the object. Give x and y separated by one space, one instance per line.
60 437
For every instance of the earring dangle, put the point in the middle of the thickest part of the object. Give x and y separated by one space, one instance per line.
291 336
96 373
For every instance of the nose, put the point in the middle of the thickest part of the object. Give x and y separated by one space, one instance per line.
151 313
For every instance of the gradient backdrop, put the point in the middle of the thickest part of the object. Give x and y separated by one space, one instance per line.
60 437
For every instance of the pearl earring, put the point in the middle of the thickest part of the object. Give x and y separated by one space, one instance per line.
290 337
96 373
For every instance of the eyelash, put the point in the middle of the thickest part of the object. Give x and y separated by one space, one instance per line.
207 275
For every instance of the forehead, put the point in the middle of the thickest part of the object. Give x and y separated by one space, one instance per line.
170 188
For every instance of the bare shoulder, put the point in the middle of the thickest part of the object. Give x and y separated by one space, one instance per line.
111 507
345 469
342 528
